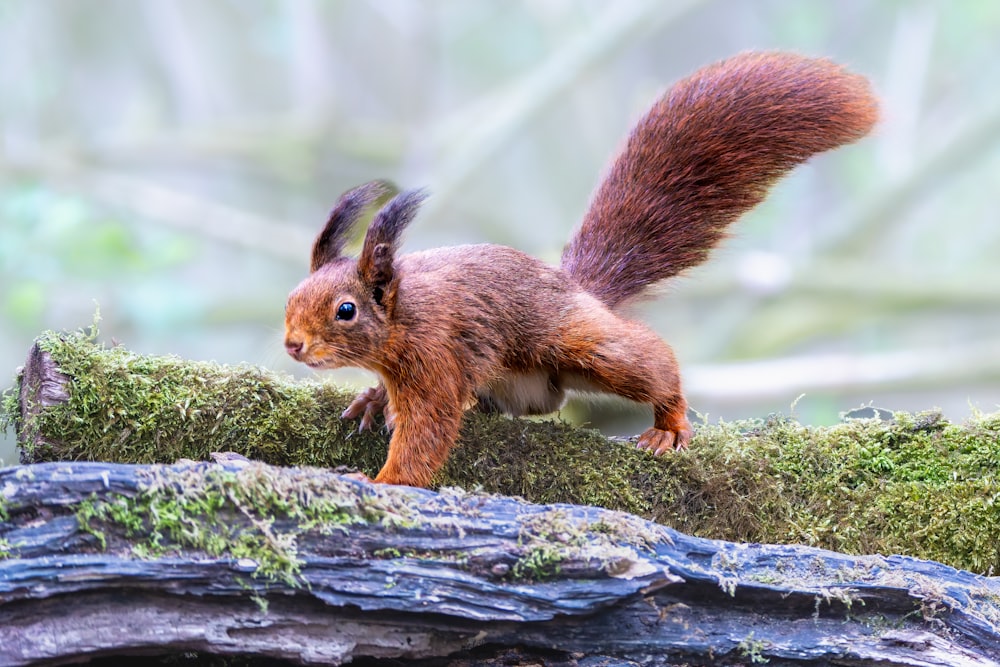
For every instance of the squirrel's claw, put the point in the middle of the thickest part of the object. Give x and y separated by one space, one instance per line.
368 405
359 476
659 442
372 410
390 417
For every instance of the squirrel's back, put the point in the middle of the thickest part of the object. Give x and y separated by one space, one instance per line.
704 154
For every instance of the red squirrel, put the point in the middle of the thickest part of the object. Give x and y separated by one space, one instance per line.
449 328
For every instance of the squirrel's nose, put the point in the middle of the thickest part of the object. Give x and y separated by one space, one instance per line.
294 348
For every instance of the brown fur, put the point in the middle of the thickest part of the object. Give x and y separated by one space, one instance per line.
448 328
705 154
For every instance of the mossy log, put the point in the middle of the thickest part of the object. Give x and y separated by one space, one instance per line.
307 566
915 485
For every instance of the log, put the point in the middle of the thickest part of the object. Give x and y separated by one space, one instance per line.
307 566
893 483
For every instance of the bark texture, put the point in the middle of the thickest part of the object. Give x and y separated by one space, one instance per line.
239 558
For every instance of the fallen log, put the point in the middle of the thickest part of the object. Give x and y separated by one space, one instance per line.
912 484
304 565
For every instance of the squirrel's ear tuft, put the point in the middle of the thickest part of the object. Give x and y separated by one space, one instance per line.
375 261
349 209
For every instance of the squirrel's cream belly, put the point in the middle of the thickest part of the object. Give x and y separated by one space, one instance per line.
532 393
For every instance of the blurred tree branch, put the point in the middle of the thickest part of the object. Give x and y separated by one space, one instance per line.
188 212
881 372
492 122
876 218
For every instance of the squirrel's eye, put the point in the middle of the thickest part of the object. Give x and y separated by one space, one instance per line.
346 311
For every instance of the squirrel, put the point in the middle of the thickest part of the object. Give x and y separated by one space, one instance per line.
450 328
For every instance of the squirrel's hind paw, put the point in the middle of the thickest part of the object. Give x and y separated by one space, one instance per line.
659 442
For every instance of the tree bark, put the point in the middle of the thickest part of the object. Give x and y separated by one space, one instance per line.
307 566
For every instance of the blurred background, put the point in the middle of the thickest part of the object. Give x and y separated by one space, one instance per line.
171 161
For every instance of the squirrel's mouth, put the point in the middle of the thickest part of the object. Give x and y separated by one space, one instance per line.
318 356
325 362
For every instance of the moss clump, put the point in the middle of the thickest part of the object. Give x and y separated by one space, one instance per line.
916 485
255 513
550 537
540 562
753 650
131 408
9 408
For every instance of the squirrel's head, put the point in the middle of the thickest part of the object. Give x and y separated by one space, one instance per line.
337 316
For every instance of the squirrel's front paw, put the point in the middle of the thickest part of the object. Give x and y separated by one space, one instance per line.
660 442
368 405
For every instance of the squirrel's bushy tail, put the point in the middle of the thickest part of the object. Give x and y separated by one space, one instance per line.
706 153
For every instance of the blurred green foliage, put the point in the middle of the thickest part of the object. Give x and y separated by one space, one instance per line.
171 162
52 239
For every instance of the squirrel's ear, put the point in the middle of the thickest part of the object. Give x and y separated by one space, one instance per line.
375 261
351 205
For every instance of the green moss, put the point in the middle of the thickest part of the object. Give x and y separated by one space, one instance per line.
538 563
132 408
256 514
916 485
86 512
550 537
753 650
9 409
